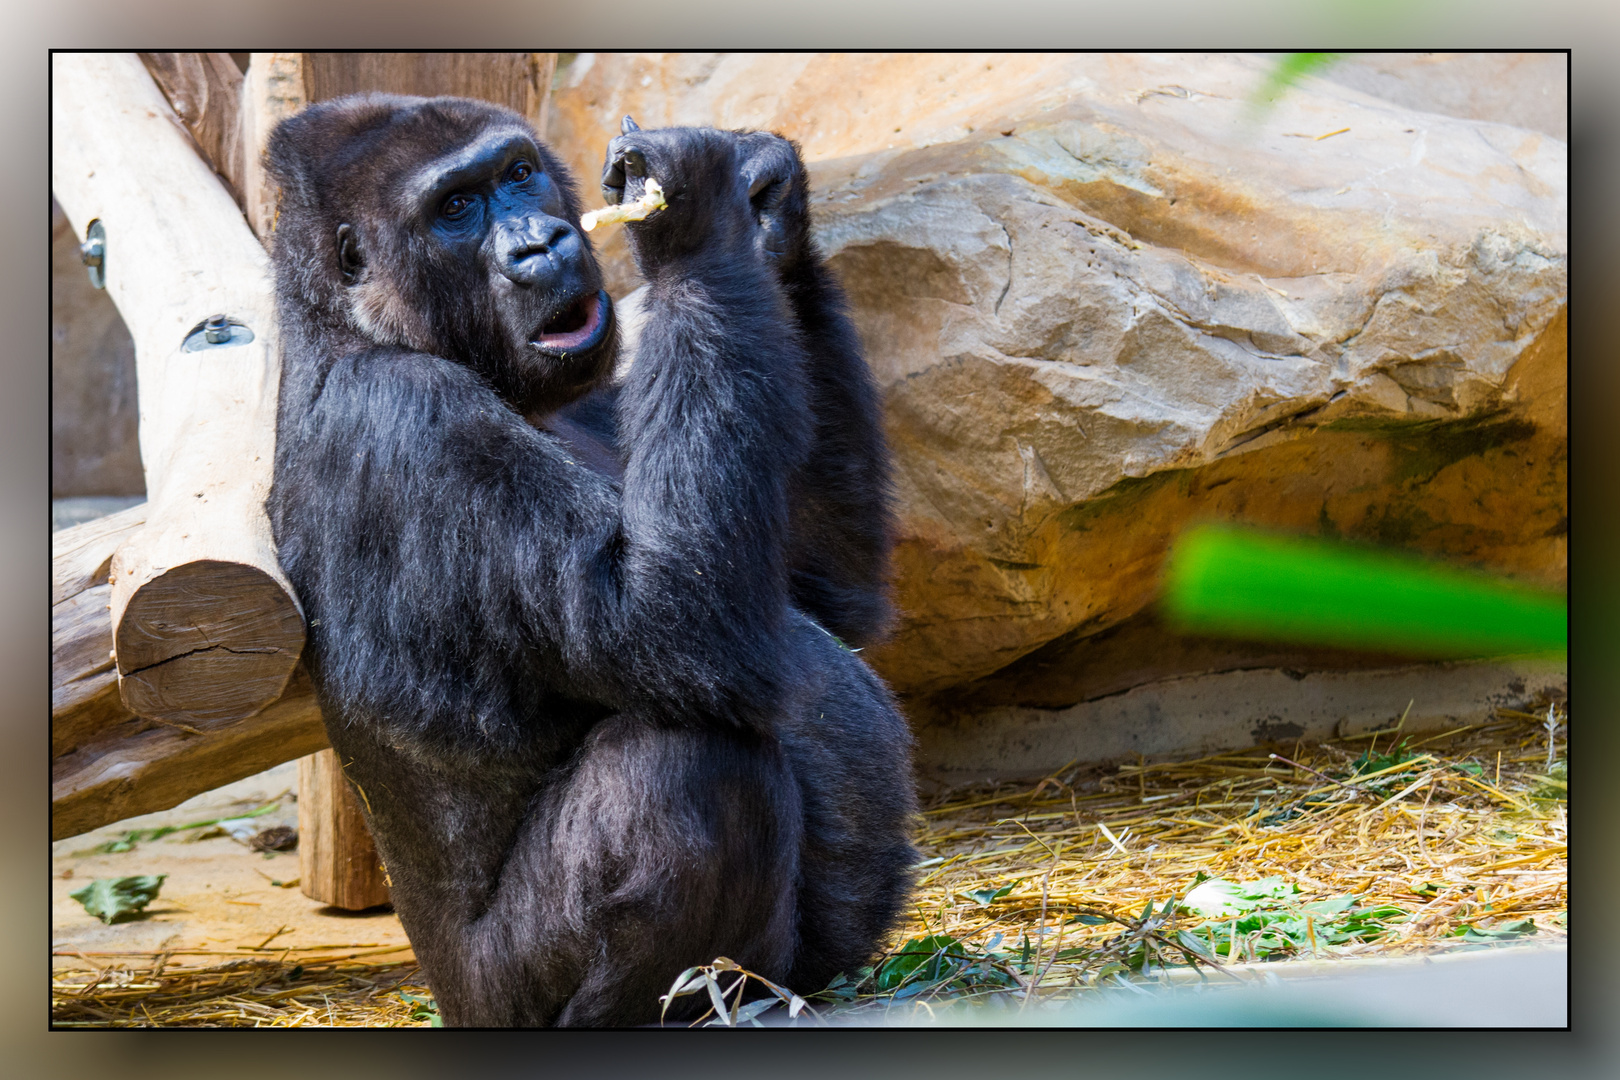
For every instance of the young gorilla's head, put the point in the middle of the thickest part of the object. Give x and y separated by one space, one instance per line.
442 225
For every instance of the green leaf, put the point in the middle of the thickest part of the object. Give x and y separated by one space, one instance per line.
112 899
1331 906
423 1007
927 957
986 897
754 1008
1507 931
1218 898
687 982
721 1011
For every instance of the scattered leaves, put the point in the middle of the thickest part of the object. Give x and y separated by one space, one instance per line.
132 837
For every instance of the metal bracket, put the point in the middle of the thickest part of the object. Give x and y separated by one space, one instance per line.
216 332
93 253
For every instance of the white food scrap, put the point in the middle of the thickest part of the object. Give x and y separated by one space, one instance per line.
652 199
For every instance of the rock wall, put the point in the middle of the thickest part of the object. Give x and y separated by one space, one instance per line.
1107 296
94 449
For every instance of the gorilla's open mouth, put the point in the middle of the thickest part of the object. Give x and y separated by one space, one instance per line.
579 327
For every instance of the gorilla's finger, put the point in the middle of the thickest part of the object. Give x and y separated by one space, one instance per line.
613 182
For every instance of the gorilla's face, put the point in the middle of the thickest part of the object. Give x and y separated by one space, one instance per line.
459 235
492 204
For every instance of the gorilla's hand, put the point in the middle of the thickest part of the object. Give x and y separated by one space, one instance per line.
778 196
700 171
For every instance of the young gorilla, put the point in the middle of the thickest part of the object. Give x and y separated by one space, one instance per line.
599 738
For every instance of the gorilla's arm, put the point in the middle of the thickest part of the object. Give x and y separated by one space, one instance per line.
443 517
842 522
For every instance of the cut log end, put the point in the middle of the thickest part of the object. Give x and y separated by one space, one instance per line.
229 666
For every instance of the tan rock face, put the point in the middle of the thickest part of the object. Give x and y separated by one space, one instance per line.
1109 296
94 449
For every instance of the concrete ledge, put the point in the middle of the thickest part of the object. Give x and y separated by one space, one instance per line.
1202 714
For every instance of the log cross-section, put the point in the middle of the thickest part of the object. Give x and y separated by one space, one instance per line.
206 627
108 764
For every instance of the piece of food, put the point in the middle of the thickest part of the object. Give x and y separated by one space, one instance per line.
652 199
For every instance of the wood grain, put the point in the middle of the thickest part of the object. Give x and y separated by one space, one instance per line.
272 89
337 862
106 762
205 91
512 79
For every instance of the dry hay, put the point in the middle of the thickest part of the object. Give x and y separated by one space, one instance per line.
1426 843
279 992
1035 893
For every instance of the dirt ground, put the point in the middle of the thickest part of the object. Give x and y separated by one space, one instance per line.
220 898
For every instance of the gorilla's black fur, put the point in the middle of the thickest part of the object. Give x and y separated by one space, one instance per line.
575 675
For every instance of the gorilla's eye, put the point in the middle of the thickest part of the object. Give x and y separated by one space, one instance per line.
520 172
456 206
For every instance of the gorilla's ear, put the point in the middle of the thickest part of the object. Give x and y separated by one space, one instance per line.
627 125
350 261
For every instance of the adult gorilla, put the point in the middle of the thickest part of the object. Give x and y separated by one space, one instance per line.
575 666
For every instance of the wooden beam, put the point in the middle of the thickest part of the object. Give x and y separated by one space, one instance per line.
272 89
206 628
510 79
337 862
107 763
205 92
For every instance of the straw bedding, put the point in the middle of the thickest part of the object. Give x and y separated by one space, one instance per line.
1033 893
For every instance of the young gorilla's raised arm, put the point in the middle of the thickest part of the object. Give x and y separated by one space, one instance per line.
442 517
839 504
843 525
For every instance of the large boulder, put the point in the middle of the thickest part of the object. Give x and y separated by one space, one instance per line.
1107 296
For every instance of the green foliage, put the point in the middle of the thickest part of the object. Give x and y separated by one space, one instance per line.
423 1009
706 978
1217 898
114 899
922 961
1554 787
1288 70
1259 919
132 837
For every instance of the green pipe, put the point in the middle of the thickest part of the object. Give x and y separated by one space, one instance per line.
1238 582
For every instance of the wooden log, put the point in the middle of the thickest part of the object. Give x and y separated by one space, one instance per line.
337 862
272 89
205 92
519 80
106 762
206 628
109 763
